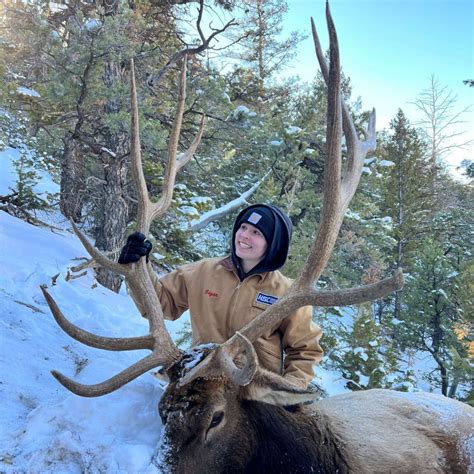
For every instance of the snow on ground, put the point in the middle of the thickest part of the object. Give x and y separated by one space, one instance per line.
44 428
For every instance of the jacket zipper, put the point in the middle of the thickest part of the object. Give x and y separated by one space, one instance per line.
234 306
234 299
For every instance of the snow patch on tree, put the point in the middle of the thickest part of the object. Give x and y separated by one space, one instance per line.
369 161
352 215
188 211
201 200
241 112
27 91
293 130
386 163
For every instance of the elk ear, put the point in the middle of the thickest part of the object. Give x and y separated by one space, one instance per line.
161 375
271 388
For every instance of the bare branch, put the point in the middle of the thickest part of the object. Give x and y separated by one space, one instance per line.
97 255
191 51
219 213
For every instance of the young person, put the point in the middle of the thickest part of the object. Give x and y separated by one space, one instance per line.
224 294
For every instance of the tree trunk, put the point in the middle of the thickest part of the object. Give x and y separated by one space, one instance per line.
400 217
438 337
454 386
113 219
114 211
72 181
444 380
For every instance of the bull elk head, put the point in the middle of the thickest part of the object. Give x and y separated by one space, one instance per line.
229 373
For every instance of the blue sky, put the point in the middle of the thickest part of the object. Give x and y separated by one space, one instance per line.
390 48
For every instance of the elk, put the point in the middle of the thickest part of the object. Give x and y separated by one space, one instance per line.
222 412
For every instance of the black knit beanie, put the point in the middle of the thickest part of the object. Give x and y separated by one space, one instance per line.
262 218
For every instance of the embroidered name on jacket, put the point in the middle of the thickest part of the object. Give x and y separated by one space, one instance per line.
267 299
211 294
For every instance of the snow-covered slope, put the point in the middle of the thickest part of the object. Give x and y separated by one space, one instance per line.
42 426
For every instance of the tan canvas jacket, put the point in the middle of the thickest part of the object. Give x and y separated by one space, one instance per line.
221 304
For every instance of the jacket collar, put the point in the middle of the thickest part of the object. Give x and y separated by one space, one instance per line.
227 263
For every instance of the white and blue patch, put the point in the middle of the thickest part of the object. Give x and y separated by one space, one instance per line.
254 218
266 299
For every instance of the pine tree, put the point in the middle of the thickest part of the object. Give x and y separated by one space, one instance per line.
78 59
262 50
432 322
431 246
406 194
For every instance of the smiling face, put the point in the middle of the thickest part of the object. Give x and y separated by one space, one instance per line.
250 246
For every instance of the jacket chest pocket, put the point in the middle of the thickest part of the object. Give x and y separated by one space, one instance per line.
258 307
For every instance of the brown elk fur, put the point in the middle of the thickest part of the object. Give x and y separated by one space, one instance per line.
375 431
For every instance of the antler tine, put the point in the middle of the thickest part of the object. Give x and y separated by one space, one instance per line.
356 149
147 210
296 299
144 203
173 162
115 382
155 359
183 158
222 361
331 212
97 255
347 122
92 340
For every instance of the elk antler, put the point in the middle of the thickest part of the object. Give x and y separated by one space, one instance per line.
338 193
158 340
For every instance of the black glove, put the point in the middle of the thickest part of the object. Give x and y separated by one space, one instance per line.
137 246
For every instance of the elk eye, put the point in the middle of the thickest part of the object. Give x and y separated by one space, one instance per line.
216 419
